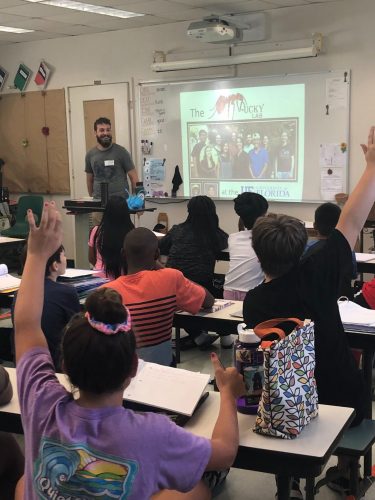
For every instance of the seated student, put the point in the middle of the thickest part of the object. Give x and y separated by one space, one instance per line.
152 296
71 445
106 240
11 456
61 302
308 288
325 220
192 248
244 269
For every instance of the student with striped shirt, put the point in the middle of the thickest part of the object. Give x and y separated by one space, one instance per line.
152 296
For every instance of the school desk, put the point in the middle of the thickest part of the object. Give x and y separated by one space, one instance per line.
212 321
305 456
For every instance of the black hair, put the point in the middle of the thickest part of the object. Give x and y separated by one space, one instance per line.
279 242
109 239
158 227
204 222
326 218
96 362
141 248
250 206
55 257
102 120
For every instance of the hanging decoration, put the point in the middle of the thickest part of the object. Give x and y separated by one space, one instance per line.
42 75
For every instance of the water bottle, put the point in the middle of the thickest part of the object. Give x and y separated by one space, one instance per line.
140 192
249 362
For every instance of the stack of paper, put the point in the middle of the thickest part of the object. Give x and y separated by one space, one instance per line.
8 282
167 388
355 317
73 274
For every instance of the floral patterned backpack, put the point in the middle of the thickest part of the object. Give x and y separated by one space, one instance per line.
289 398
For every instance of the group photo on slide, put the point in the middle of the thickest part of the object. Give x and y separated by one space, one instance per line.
257 149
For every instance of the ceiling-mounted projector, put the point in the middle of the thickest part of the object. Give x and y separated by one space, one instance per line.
214 31
229 28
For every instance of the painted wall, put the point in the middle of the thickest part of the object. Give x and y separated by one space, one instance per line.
126 55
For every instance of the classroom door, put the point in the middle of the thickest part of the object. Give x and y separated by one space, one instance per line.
82 101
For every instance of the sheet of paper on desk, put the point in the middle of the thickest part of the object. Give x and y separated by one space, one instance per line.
77 273
167 388
364 257
7 281
218 305
355 316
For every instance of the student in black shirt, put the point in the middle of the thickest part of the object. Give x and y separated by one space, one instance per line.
309 288
60 304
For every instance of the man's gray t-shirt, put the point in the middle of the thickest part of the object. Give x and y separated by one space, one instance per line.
110 165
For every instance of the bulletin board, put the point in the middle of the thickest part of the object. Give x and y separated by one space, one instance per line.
33 142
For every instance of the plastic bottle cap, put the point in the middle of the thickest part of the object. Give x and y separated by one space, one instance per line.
248 337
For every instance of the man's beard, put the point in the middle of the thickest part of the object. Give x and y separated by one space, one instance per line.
104 141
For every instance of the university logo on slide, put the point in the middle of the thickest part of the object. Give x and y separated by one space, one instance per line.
65 471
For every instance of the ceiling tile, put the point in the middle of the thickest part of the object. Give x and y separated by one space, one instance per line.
239 6
10 3
33 10
157 7
187 15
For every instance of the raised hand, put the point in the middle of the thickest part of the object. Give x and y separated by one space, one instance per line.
369 149
228 378
45 239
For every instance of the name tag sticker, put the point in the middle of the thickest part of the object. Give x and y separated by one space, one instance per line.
109 163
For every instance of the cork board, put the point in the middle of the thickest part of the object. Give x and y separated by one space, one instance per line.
34 162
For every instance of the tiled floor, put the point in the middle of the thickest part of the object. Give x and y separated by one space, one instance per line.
240 484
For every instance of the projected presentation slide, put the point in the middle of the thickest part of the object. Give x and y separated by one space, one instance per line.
248 139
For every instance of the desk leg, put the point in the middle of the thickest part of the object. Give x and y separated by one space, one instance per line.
367 360
177 343
310 485
283 487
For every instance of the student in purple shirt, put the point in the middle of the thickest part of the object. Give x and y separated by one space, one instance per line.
91 446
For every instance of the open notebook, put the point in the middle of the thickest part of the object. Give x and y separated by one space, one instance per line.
167 388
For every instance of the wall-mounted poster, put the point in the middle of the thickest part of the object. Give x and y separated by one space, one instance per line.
3 77
22 77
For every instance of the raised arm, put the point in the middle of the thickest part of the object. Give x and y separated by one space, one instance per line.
225 436
360 201
42 243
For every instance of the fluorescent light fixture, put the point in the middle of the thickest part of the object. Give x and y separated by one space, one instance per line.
273 55
87 7
8 29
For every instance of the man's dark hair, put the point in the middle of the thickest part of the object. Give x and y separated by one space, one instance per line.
102 120
279 242
96 362
326 218
250 206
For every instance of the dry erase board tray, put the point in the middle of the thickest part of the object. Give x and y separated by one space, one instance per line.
177 418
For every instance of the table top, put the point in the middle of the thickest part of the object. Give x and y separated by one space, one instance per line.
305 454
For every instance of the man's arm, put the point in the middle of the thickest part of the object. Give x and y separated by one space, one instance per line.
225 436
90 183
42 243
360 201
133 176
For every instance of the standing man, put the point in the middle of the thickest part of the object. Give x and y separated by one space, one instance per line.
284 163
108 162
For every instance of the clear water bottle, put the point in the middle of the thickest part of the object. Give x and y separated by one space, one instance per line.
249 362
140 192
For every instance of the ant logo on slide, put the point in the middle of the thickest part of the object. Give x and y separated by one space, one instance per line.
234 101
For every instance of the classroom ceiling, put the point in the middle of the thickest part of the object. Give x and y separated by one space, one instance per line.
49 21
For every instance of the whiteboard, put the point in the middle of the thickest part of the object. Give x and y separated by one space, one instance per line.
301 117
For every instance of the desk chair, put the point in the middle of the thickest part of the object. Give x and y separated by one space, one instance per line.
21 228
355 443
